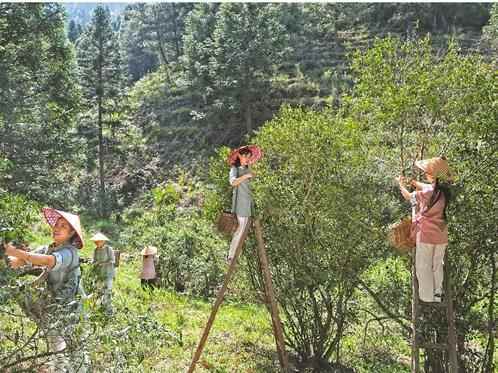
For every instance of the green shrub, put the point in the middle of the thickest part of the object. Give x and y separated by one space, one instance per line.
191 254
314 223
17 215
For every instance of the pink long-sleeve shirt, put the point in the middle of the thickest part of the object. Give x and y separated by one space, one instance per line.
431 227
149 268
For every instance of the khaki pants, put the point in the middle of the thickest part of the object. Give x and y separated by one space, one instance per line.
243 222
429 267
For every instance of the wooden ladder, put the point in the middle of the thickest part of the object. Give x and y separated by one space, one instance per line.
269 296
418 340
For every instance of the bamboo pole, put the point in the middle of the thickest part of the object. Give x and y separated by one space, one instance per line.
415 365
450 314
270 295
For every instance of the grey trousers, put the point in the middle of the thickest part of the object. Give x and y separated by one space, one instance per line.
104 291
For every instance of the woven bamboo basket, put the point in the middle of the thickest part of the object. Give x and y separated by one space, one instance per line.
400 236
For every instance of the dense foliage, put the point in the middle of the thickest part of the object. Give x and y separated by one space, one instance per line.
38 100
411 103
128 114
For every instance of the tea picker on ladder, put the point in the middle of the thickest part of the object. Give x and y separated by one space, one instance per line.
242 202
238 223
429 223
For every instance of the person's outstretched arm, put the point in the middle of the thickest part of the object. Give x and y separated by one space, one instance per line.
29 257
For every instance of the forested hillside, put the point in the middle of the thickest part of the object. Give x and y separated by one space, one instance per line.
186 79
124 113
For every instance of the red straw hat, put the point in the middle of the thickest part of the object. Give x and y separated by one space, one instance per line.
256 154
52 215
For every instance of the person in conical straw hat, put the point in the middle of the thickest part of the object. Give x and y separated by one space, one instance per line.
241 174
104 271
430 201
54 312
148 276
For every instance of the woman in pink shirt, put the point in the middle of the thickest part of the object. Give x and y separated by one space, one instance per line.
431 229
148 276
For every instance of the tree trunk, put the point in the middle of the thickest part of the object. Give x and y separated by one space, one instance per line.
246 100
161 49
101 161
461 349
100 94
490 365
248 116
176 32
158 37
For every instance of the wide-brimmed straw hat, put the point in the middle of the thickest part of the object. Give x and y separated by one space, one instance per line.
149 250
99 237
256 154
52 215
436 167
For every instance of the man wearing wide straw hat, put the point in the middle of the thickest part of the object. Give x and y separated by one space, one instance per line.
148 276
431 228
57 311
103 270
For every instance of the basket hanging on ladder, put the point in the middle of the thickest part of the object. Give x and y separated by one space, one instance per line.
401 236
227 223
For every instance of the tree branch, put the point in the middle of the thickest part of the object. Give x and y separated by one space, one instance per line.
385 309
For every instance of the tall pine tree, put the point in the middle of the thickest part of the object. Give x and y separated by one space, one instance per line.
138 52
165 24
249 43
152 34
38 100
198 51
101 79
74 31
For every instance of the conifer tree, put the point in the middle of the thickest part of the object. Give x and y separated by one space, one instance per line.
100 77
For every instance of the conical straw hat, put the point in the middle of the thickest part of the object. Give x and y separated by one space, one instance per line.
437 167
149 250
99 237
52 215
